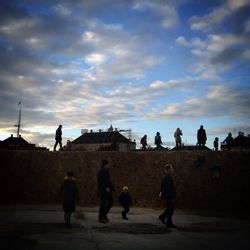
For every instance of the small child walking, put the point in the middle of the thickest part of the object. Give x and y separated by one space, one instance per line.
125 201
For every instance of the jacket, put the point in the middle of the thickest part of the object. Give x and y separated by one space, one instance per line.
104 182
125 199
168 188
69 194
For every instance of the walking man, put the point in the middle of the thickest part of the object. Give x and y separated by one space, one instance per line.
168 193
58 138
105 189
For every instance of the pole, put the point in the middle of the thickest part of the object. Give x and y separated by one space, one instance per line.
19 119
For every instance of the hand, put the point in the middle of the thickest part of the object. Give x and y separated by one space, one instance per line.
107 189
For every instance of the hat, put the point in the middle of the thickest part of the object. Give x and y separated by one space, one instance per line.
125 188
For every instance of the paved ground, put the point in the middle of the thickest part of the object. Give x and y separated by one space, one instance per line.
41 227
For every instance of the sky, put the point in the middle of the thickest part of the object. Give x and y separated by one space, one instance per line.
149 66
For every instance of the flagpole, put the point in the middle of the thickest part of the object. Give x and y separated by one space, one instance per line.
19 119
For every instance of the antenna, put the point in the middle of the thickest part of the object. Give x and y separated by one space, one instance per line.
19 119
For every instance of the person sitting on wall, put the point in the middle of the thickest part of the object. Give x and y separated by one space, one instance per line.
144 142
158 141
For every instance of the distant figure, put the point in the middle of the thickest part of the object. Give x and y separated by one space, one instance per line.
201 137
125 201
69 196
216 143
58 138
229 141
169 194
177 135
158 141
105 189
144 142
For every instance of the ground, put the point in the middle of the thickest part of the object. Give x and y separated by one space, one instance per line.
26 227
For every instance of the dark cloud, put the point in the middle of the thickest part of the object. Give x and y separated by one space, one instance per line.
238 19
226 56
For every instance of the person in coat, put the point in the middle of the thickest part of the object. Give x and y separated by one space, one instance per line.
70 196
58 137
168 193
105 189
144 142
216 143
158 141
229 141
125 201
201 137
177 136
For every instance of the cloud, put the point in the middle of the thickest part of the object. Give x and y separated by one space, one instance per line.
220 101
69 66
237 11
215 53
164 10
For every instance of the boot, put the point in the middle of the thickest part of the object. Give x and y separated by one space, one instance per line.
123 215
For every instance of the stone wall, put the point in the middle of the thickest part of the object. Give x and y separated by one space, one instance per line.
36 177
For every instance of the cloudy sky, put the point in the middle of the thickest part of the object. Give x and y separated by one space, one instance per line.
143 65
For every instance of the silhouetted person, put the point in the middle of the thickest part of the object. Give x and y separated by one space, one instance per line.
144 142
169 194
177 136
105 189
58 138
229 141
216 143
125 201
69 196
158 141
201 137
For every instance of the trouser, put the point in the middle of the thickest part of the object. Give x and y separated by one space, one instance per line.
105 205
169 211
60 143
178 145
125 211
201 145
67 217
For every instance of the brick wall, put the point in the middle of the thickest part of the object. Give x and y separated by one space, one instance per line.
36 177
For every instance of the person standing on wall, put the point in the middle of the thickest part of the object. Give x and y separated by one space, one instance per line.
216 143
229 141
201 137
69 196
58 137
168 193
177 136
105 189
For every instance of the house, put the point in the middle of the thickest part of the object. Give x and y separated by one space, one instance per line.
240 143
102 141
18 143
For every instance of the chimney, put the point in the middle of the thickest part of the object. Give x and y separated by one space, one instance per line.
241 133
